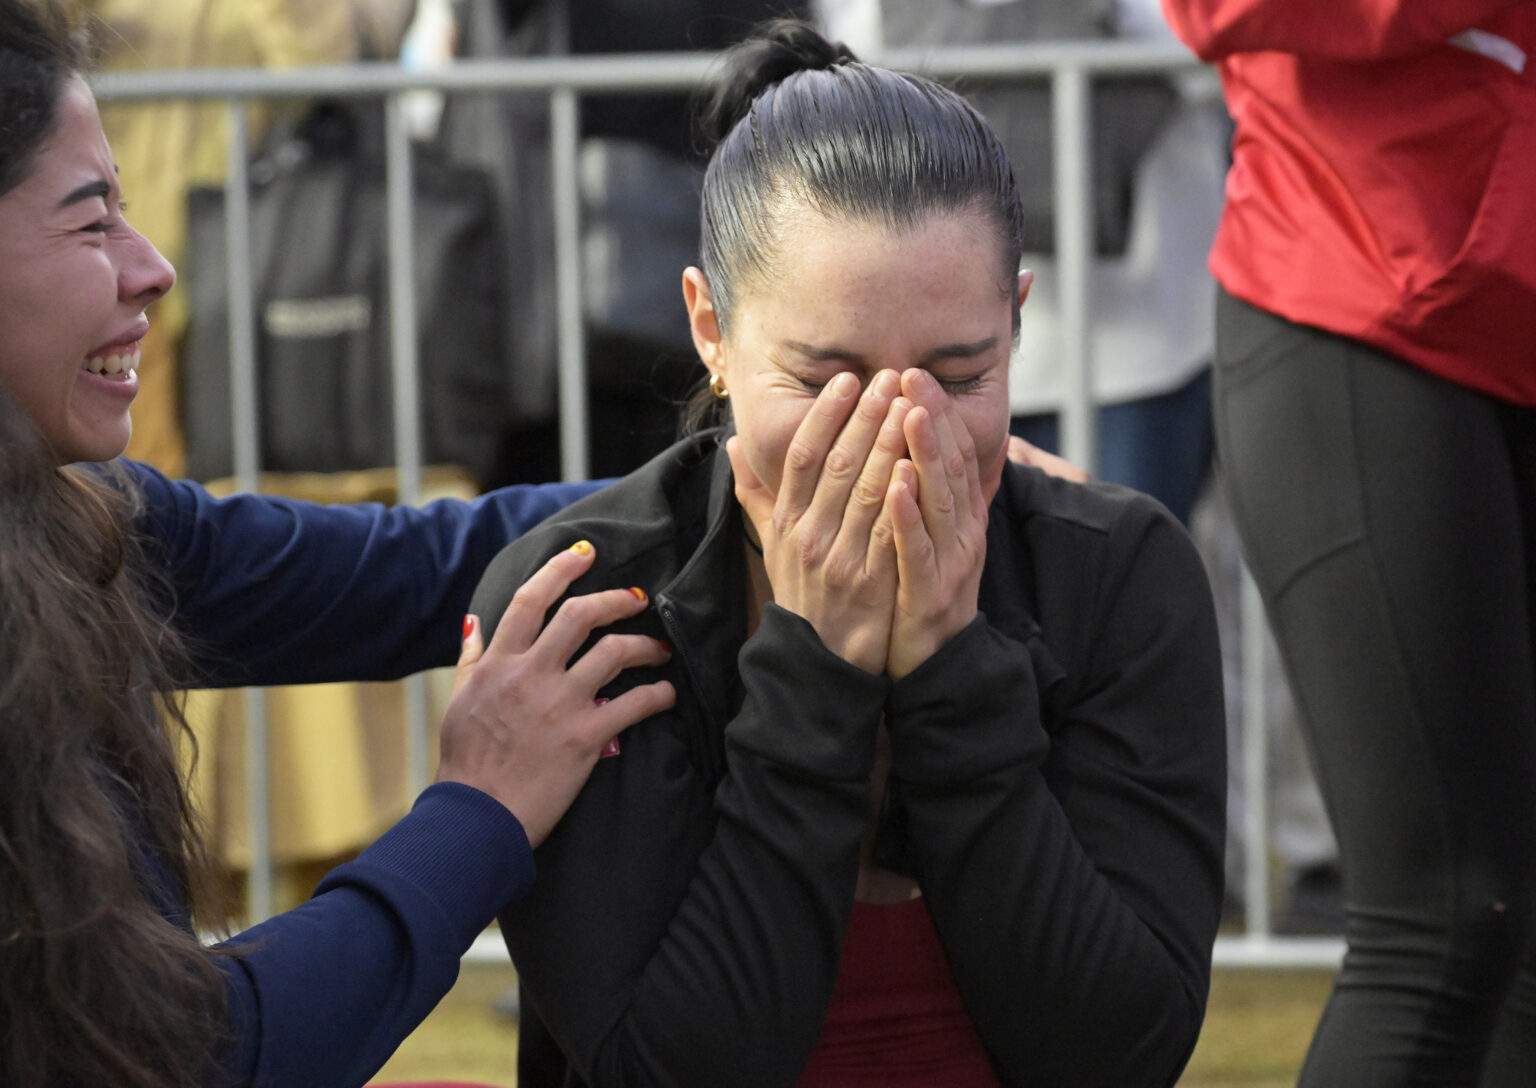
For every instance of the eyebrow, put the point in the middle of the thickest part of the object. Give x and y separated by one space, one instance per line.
91 190
944 351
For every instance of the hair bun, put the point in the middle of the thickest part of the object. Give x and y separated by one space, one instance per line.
775 51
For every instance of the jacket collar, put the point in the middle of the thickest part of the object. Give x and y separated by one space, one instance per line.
703 608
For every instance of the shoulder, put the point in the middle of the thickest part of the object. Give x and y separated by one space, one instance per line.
1079 557
1065 524
643 527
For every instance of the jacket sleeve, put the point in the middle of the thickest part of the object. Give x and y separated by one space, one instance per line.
271 590
1074 875
686 936
1332 29
323 994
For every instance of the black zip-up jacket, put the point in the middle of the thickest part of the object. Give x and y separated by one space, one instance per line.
1056 788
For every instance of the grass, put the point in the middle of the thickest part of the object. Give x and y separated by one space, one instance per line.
1256 1031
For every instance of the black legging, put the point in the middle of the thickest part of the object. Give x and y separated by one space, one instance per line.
1390 520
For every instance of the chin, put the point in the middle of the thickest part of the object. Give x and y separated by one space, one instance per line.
99 448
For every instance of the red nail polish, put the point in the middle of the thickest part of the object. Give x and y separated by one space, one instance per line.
469 626
610 749
664 644
638 593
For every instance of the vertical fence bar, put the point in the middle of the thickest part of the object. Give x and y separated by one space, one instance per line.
401 250
245 410
564 134
1255 761
1073 167
405 371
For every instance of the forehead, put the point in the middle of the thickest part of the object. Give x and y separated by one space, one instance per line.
838 262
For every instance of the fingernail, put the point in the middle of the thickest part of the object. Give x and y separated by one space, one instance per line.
664 644
639 594
582 547
601 700
610 749
885 383
844 385
469 625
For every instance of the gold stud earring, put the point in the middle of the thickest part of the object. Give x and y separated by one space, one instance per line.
717 386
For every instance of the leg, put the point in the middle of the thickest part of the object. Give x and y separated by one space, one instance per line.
1380 514
1512 1056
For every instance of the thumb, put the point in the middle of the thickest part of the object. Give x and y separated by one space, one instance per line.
750 492
469 653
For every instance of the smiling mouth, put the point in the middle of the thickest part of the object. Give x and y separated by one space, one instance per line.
120 363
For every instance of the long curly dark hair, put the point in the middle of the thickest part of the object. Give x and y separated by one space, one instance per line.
102 978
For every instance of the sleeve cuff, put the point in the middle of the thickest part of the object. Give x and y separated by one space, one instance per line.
805 706
460 847
970 709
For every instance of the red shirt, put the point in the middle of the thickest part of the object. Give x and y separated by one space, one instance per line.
896 1019
1383 169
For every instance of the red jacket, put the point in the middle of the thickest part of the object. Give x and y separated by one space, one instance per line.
1384 176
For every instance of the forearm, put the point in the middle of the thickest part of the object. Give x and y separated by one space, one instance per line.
324 993
1079 939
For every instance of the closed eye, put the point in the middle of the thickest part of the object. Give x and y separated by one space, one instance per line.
960 385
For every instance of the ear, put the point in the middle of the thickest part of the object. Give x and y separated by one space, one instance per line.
702 319
1026 278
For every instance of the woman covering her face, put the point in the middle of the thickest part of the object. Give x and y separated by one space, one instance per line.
940 800
102 570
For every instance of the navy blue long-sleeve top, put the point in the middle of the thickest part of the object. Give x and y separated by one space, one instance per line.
275 591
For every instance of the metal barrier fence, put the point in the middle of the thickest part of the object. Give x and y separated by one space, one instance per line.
1069 67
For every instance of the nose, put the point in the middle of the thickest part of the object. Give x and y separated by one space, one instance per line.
145 274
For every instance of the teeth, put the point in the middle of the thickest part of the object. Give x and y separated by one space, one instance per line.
114 364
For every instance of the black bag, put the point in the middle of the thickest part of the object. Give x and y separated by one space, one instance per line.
320 277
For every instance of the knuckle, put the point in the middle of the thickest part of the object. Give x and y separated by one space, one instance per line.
619 651
868 493
838 571
578 610
809 548
525 599
839 464
800 457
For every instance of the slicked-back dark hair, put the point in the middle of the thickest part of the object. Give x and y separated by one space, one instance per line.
796 121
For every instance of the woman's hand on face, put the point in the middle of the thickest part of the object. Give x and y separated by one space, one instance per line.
939 515
523 723
827 538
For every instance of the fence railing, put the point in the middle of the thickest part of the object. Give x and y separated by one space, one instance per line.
1069 67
